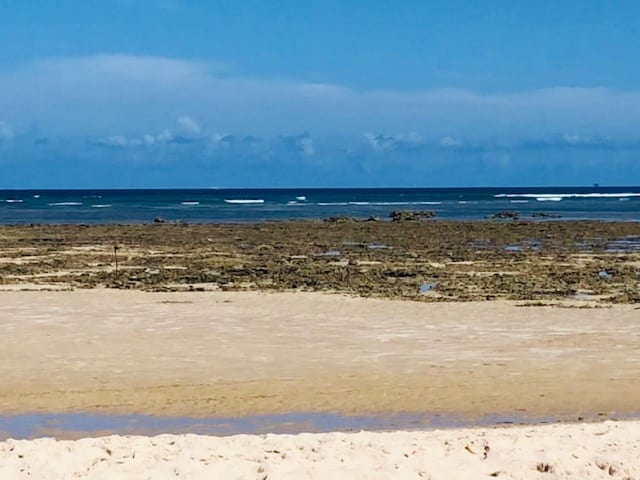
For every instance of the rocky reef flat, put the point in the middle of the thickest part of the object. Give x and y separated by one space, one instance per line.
412 258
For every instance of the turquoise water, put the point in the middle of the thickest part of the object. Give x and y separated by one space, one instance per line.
244 205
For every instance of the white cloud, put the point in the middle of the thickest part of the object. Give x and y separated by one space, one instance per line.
410 138
121 69
164 137
222 140
574 139
6 131
87 96
398 141
449 141
306 146
379 142
301 144
119 141
190 125
147 140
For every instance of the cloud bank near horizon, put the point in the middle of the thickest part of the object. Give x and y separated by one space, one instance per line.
142 112
116 94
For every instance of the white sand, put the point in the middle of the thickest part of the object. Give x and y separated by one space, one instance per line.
599 450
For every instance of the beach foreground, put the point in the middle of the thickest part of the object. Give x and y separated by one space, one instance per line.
598 450
245 353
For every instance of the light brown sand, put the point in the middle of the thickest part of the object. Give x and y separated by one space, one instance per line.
606 450
218 353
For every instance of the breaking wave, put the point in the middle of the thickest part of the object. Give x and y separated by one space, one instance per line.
554 196
243 201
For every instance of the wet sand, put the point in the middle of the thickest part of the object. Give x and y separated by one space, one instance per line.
240 353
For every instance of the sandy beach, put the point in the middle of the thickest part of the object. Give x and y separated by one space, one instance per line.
238 353
321 240
230 354
599 450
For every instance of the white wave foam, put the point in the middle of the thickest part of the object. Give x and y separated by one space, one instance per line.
301 198
243 201
190 203
394 203
550 199
13 200
36 196
518 201
65 204
406 203
106 205
377 204
539 196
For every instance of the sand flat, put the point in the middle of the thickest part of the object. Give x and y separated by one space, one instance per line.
217 353
600 450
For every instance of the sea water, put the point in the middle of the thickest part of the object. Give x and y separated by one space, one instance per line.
254 205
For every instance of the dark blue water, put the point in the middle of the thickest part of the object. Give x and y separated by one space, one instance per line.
250 205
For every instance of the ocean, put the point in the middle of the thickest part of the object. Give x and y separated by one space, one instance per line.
255 205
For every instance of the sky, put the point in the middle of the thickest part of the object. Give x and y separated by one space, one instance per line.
186 93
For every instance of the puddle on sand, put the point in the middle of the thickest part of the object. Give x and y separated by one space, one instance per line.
73 425
427 287
78 425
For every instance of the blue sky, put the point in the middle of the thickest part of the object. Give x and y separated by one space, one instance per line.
179 93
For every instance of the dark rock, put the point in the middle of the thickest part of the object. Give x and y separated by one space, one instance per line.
159 220
340 219
507 215
410 215
544 215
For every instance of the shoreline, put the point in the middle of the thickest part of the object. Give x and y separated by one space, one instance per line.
412 215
